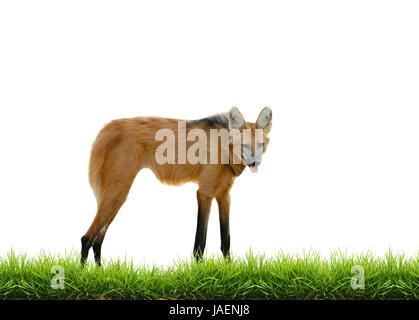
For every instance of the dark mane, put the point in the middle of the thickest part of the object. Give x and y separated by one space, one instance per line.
217 120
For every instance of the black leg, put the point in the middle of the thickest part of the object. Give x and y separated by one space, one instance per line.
97 245
200 237
86 243
225 240
204 207
97 248
224 214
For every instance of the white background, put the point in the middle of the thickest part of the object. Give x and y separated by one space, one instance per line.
342 78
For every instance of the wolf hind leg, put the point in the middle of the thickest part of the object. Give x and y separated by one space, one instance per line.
111 200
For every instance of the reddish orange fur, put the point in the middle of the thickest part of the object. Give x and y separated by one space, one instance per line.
125 146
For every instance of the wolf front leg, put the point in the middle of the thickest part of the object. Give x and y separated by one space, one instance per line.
224 215
204 207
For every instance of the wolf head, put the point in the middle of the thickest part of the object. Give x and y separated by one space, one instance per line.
249 140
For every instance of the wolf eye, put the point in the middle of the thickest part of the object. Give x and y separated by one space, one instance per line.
246 146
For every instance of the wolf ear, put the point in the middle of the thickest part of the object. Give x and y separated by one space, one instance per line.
236 120
264 120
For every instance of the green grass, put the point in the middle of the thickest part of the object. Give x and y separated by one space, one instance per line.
253 277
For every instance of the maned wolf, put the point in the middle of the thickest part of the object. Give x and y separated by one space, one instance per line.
125 146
